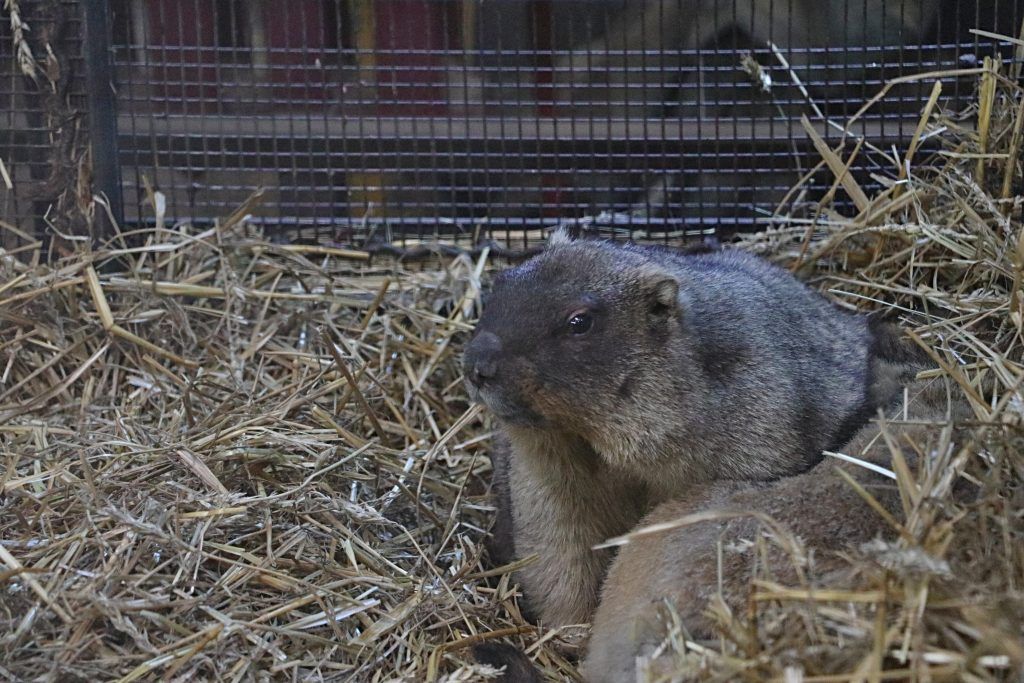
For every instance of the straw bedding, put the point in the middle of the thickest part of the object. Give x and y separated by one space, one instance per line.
226 459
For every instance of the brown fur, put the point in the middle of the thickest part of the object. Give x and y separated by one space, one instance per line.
565 500
681 566
697 368
501 544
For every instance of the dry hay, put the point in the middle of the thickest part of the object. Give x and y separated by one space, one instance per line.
943 247
226 459
193 485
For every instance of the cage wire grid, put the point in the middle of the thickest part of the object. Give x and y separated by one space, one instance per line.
402 121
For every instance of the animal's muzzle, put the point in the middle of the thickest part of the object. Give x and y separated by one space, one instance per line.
481 358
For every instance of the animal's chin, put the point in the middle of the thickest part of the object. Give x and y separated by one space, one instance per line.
507 409
473 392
522 419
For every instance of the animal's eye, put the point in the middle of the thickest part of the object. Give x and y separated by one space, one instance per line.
580 323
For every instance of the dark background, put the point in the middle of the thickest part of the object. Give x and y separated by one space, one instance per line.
401 120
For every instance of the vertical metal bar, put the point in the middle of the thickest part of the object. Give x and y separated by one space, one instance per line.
366 194
396 98
775 159
586 84
687 188
345 61
206 52
461 63
543 86
137 82
430 101
102 112
573 175
737 147
612 98
523 109
641 111
664 88
282 101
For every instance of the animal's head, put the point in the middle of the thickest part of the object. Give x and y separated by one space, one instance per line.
572 338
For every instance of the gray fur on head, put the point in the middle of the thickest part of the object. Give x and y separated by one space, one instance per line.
559 236
720 353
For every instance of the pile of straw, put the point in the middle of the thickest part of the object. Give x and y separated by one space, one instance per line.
220 457
226 459
943 247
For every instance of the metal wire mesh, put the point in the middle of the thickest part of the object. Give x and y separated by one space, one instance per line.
42 137
401 120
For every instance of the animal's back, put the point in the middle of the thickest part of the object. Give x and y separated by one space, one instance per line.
692 564
785 367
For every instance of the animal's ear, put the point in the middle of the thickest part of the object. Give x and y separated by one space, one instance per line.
661 292
559 236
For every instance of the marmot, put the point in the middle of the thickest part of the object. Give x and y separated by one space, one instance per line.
621 375
826 514
681 566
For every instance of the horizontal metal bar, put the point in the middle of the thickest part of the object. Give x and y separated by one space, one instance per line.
501 223
727 50
524 129
672 68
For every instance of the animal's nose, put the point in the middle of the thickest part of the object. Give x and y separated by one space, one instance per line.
482 357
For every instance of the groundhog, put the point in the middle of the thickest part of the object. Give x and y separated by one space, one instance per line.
819 508
681 565
621 375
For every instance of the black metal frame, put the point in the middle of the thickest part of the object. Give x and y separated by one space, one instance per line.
372 126
99 77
